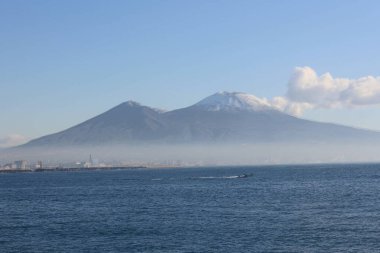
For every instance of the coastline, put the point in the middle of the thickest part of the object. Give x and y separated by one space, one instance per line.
71 169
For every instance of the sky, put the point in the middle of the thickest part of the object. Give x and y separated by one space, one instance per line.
62 62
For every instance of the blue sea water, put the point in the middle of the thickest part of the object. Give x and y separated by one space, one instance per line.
311 208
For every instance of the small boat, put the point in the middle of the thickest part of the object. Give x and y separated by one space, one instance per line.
244 175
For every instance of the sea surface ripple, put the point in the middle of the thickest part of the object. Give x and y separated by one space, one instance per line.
304 208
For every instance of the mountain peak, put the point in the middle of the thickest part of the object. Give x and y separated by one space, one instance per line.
136 105
131 103
234 101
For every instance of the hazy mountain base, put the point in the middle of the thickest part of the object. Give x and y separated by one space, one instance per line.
222 154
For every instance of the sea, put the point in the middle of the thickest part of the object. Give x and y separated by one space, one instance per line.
282 208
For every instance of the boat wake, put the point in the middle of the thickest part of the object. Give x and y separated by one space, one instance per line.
225 177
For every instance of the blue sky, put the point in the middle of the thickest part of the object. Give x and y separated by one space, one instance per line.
62 62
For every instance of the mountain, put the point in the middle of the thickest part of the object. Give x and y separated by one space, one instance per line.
225 117
127 122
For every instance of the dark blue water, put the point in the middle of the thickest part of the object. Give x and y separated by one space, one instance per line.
329 208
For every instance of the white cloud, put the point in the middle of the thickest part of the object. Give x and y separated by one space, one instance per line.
306 90
325 91
293 108
363 91
12 140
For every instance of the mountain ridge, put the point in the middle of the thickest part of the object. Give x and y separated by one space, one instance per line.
224 117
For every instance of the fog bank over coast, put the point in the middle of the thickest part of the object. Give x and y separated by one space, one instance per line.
202 154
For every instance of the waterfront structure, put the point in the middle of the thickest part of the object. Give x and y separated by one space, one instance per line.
20 165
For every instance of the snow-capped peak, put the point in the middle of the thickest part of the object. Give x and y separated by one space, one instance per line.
234 101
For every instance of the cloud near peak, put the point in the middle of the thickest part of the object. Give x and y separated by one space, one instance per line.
307 90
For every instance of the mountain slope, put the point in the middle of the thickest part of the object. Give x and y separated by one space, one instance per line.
195 124
221 118
127 122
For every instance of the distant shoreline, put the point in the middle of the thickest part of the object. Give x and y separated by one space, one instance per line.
71 169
